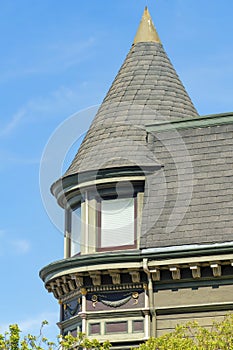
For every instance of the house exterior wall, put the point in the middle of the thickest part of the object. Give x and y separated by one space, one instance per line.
203 304
181 265
126 298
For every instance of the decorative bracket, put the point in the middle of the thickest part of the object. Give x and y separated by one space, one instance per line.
78 280
52 288
135 275
155 274
116 277
57 290
64 285
65 288
217 270
58 282
71 285
175 272
96 278
196 271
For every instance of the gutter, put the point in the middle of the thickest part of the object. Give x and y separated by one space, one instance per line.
149 332
200 248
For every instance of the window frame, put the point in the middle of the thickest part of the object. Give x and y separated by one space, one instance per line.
98 225
92 235
73 232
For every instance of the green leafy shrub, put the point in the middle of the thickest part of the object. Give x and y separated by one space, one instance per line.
194 337
12 340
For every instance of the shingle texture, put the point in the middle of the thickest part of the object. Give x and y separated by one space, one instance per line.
190 200
146 89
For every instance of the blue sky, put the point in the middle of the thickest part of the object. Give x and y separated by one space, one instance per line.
58 58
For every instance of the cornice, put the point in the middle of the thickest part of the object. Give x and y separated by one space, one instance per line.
64 188
189 123
132 256
86 273
82 261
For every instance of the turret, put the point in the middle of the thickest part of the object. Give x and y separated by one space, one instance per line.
145 224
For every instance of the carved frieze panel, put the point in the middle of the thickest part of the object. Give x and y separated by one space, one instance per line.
102 301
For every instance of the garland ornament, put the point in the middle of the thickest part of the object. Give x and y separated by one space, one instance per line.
114 303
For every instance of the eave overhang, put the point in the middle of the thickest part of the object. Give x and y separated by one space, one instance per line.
64 188
189 123
134 259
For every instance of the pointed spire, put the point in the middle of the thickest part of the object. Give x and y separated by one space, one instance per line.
146 90
146 30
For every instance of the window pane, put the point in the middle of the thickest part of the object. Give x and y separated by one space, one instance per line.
117 222
76 231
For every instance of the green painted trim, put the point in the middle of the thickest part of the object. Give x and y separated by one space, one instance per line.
71 322
90 259
194 308
62 187
198 122
114 314
124 257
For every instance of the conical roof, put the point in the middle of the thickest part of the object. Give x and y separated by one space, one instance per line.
146 89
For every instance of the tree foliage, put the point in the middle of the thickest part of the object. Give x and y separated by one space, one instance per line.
190 336
12 340
194 337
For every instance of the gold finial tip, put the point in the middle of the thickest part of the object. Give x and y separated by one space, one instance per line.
146 11
146 30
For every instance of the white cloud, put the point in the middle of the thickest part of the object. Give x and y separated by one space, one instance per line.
15 246
57 56
69 54
56 101
8 158
13 123
20 246
48 59
32 325
39 108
